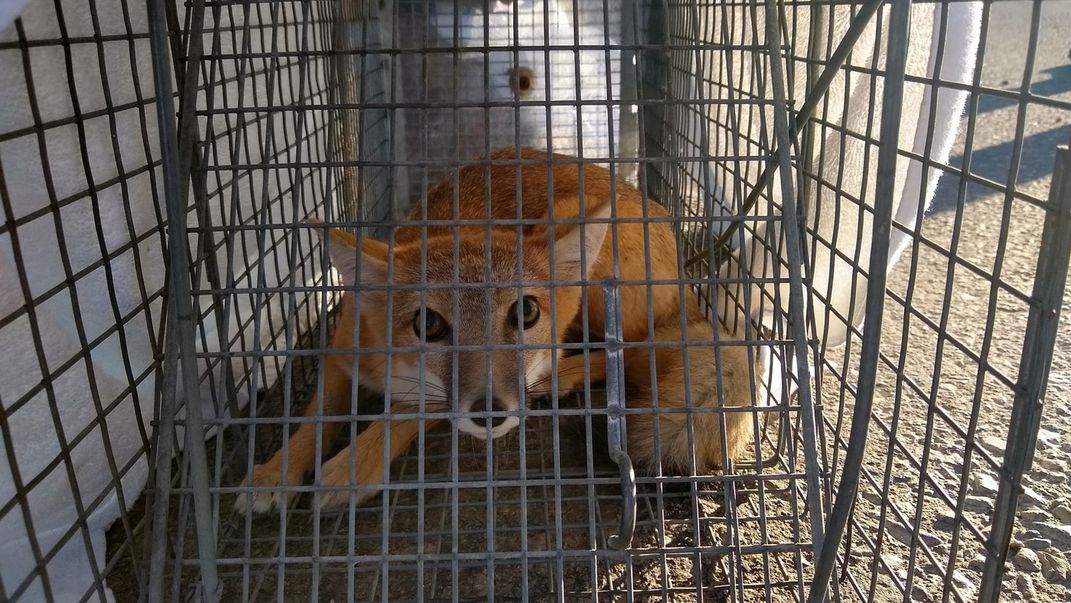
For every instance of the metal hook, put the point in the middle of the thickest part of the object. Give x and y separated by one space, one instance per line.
615 415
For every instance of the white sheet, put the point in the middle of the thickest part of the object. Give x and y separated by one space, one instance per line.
36 437
856 166
837 220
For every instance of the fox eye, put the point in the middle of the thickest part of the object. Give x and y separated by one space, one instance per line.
434 326
529 311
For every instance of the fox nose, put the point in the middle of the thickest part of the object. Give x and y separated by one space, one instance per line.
496 405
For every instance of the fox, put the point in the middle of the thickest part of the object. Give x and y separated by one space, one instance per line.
473 272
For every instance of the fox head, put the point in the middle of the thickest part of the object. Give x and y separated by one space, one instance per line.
482 312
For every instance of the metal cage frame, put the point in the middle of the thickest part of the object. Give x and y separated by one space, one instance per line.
301 110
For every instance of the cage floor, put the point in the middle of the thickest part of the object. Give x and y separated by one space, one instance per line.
528 517
539 528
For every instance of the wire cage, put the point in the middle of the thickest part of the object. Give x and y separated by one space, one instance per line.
866 203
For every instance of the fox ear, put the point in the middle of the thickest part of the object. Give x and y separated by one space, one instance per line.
370 263
568 263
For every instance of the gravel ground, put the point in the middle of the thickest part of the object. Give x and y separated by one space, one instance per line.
1039 569
940 422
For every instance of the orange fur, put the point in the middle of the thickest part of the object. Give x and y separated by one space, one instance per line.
491 193
715 379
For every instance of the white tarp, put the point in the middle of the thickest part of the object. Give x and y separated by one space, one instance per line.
66 415
849 162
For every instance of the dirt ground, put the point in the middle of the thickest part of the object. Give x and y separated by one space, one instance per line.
541 527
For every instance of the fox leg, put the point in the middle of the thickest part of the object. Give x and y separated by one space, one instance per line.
301 448
370 469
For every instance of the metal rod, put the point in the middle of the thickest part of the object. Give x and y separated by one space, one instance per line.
1038 346
615 416
802 117
191 162
178 265
629 116
796 307
163 441
892 101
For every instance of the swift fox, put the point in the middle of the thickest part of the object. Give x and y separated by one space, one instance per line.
467 284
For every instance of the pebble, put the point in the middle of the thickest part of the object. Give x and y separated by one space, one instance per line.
903 534
993 444
1062 513
1038 544
945 520
968 584
1054 567
1059 535
1027 561
1025 587
978 504
985 485
903 478
1029 534
1051 465
978 563
1031 495
1033 516
1047 438
1014 546
931 539
872 496
899 532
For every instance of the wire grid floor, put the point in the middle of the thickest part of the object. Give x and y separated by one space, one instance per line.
535 533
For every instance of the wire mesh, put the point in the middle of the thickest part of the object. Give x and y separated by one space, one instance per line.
789 149
79 243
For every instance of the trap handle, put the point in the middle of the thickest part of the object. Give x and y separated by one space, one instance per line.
615 415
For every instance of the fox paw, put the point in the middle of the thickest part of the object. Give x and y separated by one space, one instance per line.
336 472
265 476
